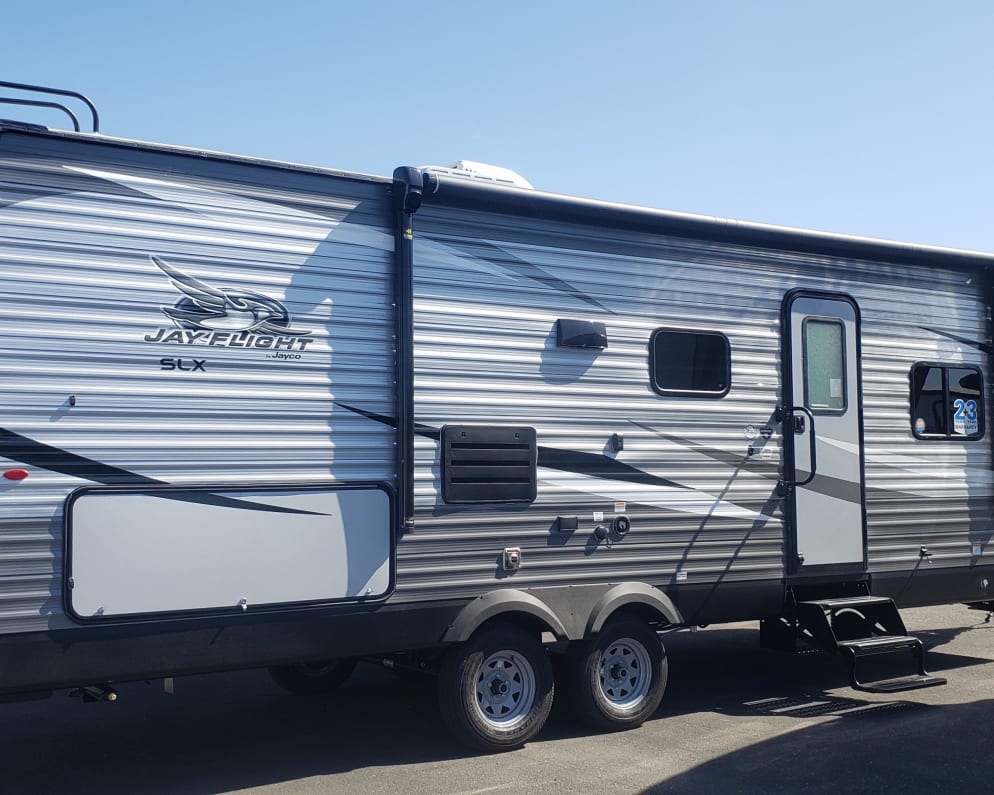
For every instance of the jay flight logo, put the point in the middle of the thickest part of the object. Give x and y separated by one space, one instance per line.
208 315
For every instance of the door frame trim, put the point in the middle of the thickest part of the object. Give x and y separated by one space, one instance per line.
794 570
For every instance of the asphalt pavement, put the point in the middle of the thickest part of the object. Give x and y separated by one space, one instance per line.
736 718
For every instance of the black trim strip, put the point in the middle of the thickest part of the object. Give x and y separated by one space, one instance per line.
408 186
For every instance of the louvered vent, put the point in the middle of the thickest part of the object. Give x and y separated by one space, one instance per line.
488 463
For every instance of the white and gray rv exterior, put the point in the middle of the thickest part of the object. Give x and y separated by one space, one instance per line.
259 414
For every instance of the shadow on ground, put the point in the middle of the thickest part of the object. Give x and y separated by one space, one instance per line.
231 731
903 748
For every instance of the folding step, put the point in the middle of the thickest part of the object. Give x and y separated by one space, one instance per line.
861 627
850 601
888 644
912 682
879 644
849 618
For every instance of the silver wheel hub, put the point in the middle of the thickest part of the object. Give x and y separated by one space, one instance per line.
505 689
625 673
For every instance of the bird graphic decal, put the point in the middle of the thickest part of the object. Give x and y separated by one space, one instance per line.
211 308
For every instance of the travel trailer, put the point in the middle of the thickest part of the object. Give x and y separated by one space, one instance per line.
258 414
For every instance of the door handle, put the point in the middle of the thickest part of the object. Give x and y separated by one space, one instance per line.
797 423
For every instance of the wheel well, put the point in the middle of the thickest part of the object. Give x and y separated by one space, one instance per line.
533 625
640 612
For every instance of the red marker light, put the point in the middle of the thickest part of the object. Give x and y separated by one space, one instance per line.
15 474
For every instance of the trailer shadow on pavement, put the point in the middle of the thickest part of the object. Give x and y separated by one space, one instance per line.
893 748
227 732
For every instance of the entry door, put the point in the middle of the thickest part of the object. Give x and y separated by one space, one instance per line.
823 432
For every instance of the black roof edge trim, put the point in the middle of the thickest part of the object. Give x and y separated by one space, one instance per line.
458 192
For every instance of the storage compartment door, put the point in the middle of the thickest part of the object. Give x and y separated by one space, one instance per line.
172 550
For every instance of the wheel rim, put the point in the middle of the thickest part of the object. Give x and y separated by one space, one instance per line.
625 673
505 689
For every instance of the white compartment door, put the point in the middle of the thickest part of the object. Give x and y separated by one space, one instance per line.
139 551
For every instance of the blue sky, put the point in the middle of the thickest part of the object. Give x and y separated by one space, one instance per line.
871 118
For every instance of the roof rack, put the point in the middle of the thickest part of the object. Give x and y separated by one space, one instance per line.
37 103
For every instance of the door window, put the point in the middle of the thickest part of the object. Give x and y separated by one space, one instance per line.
824 366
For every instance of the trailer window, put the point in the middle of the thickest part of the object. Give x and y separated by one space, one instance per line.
694 363
947 401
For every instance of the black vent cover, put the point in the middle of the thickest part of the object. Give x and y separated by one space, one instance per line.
581 334
488 463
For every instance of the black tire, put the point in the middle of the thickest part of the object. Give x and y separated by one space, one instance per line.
618 676
313 678
495 691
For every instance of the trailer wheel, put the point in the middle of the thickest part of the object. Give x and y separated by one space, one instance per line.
619 676
313 678
495 691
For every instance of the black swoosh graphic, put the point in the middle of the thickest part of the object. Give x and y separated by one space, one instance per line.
595 465
36 454
822 484
983 347
504 259
598 465
733 460
421 430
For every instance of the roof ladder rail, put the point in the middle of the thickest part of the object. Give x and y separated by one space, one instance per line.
47 104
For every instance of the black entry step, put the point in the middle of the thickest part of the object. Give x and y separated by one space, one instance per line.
885 644
912 682
859 627
879 644
849 601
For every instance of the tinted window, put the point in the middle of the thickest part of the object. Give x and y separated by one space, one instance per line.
947 402
690 362
964 401
927 400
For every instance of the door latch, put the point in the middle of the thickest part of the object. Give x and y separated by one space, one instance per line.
798 424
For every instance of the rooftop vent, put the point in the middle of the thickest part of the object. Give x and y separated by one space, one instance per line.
470 169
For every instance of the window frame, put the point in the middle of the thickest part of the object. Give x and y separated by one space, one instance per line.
947 435
693 393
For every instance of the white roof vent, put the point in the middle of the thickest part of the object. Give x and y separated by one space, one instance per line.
470 169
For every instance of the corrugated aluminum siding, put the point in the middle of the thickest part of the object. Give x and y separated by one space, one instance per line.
79 293
488 291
